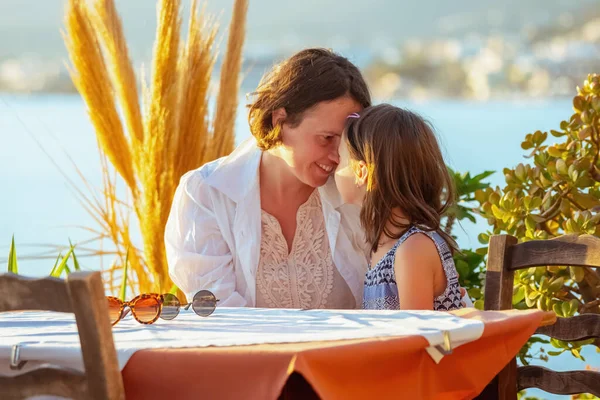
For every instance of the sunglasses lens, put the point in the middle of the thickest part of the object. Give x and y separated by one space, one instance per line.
204 303
146 310
170 308
114 310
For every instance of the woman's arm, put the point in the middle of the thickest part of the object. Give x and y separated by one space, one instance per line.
198 256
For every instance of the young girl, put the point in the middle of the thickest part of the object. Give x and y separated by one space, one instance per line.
391 166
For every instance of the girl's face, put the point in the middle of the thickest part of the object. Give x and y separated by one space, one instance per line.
350 176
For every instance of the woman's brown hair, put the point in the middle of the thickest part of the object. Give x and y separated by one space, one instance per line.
297 84
406 171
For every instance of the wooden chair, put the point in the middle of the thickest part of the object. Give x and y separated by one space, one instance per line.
82 293
505 256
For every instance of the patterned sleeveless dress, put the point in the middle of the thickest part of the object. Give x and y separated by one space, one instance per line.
381 292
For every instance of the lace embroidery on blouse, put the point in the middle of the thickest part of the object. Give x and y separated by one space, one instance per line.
307 276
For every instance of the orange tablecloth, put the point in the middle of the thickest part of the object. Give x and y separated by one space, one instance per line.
379 368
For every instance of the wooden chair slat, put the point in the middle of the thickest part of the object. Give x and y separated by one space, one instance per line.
95 332
581 327
572 250
21 293
505 255
568 382
499 280
82 293
47 380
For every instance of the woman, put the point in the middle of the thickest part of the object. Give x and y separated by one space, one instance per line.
265 226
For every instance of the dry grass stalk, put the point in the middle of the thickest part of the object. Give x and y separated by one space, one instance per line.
169 136
224 121
109 26
196 66
90 76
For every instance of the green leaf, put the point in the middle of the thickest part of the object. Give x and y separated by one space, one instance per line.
75 262
582 343
564 125
586 117
478 304
565 309
123 292
462 268
596 103
58 269
549 303
536 202
577 273
55 264
526 145
554 152
474 292
518 295
576 353
559 344
520 172
533 295
574 175
561 167
555 353
573 307
482 251
541 303
483 238
556 285
558 310
585 133
483 175
535 339
540 276
530 302
530 223
12 258
461 212
570 226
498 213
579 103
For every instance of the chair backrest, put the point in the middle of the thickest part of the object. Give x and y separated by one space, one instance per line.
506 255
82 294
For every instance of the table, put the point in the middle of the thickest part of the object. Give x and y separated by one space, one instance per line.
246 353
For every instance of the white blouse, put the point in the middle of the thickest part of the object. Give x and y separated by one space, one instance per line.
306 276
213 234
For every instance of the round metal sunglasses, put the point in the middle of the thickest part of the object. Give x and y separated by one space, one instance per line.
203 304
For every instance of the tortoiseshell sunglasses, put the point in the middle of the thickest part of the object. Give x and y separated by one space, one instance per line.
203 304
145 308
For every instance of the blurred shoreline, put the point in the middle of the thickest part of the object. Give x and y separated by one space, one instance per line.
478 55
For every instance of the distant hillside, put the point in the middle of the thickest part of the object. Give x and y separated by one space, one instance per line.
282 26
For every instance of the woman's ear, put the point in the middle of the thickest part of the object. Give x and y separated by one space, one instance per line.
278 116
361 171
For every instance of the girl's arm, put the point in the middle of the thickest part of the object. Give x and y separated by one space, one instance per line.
416 266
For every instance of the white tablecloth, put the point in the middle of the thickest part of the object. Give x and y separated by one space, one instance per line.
47 337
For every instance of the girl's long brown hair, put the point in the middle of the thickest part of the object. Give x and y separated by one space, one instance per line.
406 171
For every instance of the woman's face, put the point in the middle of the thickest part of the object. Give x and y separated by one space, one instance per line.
311 148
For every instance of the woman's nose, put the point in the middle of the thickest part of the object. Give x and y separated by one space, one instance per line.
334 156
